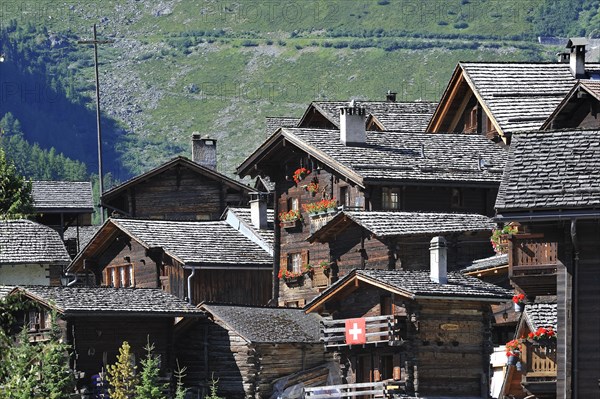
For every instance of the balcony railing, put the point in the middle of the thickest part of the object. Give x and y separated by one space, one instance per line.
540 361
363 390
532 254
379 330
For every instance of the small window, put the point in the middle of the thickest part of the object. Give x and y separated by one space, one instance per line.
456 198
344 196
293 204
390 197
295 264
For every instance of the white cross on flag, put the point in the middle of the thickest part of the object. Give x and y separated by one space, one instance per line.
356 332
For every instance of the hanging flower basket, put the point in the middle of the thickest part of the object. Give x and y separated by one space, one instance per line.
519 302
499 238
325 266
512 360
513 350
300 174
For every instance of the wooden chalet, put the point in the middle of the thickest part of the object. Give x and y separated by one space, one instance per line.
180 189
425 332
579 109
551 187
65 206
31 253
196 260
537 374
499 99
367 171
380 115
96 321
248 348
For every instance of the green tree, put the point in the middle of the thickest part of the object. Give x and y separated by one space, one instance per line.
16 201
121 376
149 387
57 380
19 369
180 390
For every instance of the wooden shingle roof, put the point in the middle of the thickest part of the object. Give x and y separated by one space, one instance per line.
389 224
197 242
415 284
203 244
516 96
542 313
399 116
591 87
268 234
175 162
70 301
49 196
275 122
551 170
486 263
268 324
395 156
24 241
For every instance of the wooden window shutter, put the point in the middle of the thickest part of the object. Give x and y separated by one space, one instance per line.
305 258
283 262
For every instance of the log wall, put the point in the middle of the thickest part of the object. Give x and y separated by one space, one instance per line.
179 193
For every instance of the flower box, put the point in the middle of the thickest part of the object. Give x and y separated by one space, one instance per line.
289 224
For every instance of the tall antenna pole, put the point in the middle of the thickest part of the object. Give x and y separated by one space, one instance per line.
96 42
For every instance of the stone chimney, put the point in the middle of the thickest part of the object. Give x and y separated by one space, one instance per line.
352 124
258 210
204 151
390 97
577 56
438 258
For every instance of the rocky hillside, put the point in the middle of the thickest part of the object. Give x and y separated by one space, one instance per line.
220 67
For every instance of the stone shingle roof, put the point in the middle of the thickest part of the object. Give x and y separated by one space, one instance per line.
571 103
417 283
521 96
551 170
196 243
24 241
268 234
101 300
385 224
5 290
399 156
592 87
62 195
400 116
268 325
275 122
487 263
542 314
85 234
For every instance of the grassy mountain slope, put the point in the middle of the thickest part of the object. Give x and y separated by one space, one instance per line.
219 67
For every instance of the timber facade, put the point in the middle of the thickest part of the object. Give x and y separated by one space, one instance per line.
177 257
388 171
249 348
411 339
556 249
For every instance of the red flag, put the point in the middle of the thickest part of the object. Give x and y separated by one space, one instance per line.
356 332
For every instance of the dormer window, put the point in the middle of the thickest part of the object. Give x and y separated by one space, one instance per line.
390 198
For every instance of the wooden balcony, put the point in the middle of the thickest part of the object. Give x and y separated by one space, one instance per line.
539 377
533 261
380 330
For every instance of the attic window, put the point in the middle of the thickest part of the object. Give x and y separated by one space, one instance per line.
456 198
390 197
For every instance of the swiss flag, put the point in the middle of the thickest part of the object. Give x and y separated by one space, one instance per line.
356 332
